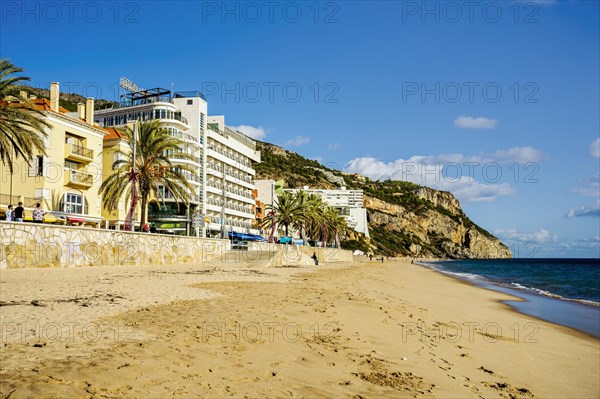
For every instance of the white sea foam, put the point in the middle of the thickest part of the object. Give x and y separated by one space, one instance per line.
552 295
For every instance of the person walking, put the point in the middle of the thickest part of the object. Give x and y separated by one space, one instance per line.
314 257
19 213
38 214
10 214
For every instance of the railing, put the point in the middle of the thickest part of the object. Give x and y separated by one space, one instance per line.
191 177
9 200
188 94
229 189
192 197
180 118
229 155
229 205
218 169
82 151
184 136
176 155
230 222
81 178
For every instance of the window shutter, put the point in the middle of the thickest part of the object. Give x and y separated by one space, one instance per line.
46 166
33 167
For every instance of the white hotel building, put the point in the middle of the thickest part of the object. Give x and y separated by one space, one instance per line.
157 104
225 199
229 178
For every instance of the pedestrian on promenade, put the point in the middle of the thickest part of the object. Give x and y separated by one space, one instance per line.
152 228
145 228
314 257
38 214
10 213
19 213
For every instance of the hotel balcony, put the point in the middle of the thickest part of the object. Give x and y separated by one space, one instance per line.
77 153
193 198
78 179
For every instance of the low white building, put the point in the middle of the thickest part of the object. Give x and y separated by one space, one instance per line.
348 202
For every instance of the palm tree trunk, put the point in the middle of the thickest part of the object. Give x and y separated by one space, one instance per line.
144 204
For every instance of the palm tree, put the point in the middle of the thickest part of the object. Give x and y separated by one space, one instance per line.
153 166
334 225
314 216
288 210
21 125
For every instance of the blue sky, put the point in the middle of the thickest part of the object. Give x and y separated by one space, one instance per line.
497 102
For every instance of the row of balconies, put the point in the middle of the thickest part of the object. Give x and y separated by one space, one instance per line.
229 155
242 193
230 222
193 197
235 175
229 205
184 136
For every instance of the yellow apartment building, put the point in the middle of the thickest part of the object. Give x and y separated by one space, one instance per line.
65 180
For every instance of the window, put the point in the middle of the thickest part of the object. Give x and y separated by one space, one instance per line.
73 203
190 102
40 165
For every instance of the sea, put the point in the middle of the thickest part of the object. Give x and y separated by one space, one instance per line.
561 291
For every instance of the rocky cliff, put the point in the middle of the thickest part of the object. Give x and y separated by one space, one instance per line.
404 219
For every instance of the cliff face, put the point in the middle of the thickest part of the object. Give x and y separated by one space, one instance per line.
404 219
431 233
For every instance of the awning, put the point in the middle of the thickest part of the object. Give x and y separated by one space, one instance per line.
245 237
75 219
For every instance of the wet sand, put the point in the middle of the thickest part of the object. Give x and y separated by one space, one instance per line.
232 330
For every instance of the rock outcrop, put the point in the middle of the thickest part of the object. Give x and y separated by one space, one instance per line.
404 219
430 233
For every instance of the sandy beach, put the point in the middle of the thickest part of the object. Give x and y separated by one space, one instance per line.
354 330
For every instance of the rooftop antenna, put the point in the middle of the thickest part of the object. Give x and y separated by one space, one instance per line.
129 85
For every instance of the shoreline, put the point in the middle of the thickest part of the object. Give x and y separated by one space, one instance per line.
538 306
369 329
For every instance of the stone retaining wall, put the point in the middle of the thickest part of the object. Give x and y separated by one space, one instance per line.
38 245
292 257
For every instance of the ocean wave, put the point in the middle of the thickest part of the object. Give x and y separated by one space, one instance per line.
439 268
552 295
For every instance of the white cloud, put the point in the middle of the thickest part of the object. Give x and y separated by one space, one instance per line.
518 154
258 133
588 210
297 141
457 173
540 236
582 244
469 122
592 189
427 171
334 146
594 149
